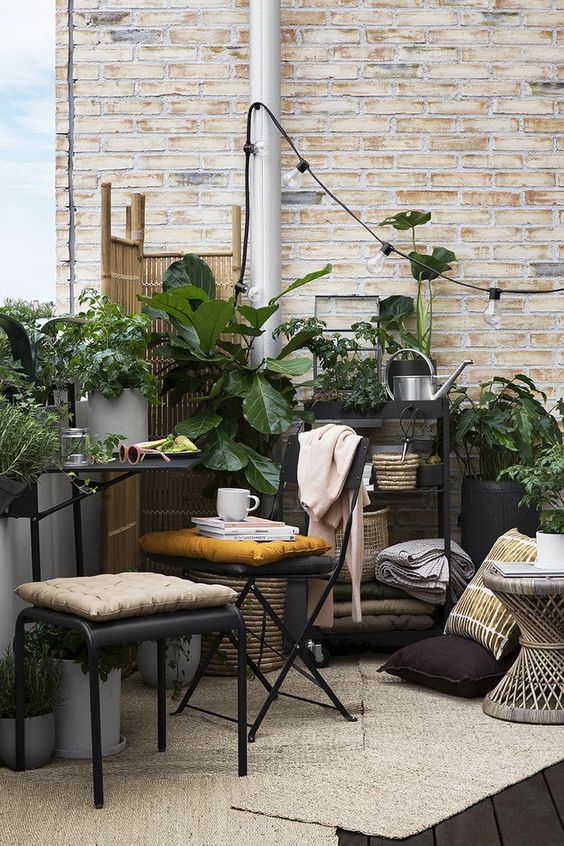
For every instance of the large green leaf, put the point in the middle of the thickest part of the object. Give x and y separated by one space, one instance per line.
303 281
406 220
262 473
198 424
210 321
190 270
394 308
436 263
266 409
257 317
289 366
171 304
238 383
226 455
300 341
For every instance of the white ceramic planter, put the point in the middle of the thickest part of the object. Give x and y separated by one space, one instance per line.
147 662
550 551
39 740
72 718
124 415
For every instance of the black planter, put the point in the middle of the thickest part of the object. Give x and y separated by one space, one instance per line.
430 475
414 367
10 489
488 510
333 410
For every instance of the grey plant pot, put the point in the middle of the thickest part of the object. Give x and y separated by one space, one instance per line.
10 489
147 662
39 740
124 415
72 718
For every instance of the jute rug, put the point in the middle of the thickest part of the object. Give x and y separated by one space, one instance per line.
414 758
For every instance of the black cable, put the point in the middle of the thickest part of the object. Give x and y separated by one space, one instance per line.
304 165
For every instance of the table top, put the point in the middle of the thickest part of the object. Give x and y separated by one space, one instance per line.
517 585
143 466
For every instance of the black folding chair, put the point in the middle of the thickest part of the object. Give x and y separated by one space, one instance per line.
298 568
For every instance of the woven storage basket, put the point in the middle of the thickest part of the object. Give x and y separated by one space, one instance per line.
256 620
376 538
393 474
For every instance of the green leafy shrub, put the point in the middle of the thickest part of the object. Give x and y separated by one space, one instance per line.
29 439
544 487
43 678
69 645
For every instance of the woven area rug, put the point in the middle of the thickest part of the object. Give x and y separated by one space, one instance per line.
414 758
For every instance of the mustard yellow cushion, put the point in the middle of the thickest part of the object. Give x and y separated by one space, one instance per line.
187 543
112 596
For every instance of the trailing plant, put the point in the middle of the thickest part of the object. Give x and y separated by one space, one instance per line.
507 424
242 403
102 449
69 645
29 439
344 374
438 261
108 348
544 487
180 648
43 678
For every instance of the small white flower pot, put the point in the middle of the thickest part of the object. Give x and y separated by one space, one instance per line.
550 551
124 415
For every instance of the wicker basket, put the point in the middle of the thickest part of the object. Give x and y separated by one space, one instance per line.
393 474
224 663
376 538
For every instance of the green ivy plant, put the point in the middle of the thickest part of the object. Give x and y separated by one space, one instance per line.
438 261
544 487
68 644
241 405
506 424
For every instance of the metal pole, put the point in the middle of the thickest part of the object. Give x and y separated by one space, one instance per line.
264 65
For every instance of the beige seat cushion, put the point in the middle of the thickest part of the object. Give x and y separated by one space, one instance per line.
478 614
114 596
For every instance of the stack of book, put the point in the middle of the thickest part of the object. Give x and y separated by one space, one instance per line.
251 528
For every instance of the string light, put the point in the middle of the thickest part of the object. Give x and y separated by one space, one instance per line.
293 178
492 312
376 265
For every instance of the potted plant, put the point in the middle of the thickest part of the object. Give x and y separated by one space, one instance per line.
109 360
346 383
42 694
72 714
507 423
438 261
182 659
241 405
29 439
544 490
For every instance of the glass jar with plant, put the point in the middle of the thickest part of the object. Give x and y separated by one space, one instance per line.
29 441
507 423
241 405
544 490
42 694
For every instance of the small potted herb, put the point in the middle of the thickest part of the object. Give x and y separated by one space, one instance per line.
544 490
42 694
182 659
29 439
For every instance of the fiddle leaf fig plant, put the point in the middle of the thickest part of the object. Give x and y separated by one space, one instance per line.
242 404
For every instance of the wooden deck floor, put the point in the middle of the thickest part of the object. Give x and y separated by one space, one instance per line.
530 813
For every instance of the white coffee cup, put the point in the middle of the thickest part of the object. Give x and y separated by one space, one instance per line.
235 503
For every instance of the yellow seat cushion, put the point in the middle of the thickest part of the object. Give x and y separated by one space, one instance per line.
112 596
187 543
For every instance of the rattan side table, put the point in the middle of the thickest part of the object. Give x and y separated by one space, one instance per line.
533 689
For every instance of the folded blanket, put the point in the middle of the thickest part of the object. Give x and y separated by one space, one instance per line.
384 606
420 568
342 591
383 623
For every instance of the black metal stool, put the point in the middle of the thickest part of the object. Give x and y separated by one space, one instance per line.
159 627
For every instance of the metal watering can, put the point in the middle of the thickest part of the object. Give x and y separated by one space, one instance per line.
413 388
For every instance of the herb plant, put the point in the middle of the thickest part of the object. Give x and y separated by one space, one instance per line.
29 439
544 487
506 424
241 404
43 678
68 644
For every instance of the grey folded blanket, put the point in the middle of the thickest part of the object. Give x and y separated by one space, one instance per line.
420 568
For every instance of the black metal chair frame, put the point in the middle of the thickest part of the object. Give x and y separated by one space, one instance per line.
159 627
290 570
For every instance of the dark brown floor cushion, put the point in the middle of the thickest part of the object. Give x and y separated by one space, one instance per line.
454 665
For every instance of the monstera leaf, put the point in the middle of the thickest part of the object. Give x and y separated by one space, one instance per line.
406 220
190 270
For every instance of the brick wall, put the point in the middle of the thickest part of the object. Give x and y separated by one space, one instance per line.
457 107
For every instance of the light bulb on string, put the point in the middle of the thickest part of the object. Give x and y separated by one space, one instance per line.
293 178
492 312
375 265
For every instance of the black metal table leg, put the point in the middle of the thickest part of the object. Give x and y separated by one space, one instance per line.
19 667
161 694
34 534
77 525
95 726
242 698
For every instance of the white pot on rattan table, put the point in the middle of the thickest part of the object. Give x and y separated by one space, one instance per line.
550 551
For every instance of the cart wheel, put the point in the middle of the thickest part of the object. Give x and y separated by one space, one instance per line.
320 654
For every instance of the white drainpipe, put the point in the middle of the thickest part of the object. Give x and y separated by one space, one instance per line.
264 66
